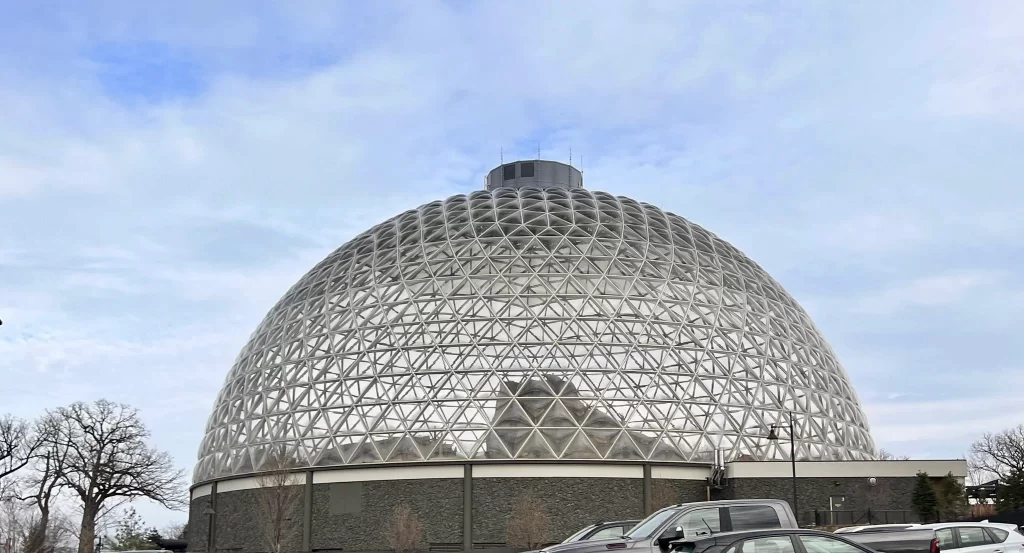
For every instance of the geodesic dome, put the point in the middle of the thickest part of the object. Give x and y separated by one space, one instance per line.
532 323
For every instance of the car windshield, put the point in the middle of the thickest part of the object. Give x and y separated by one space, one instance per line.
578 535
648 526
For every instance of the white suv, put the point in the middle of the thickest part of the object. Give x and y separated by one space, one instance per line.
977 537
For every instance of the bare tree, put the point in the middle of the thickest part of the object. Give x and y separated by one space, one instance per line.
885 455
14 525
42 485
17 445
59 533
1000 455
529 525
280 498
403 531
175 531
108 459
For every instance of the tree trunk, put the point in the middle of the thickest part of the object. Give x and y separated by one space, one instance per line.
87 536
36 541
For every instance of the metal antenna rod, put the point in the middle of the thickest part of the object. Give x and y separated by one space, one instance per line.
502 154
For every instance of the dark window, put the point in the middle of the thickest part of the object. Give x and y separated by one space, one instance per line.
754 517
346 498
526 170
998 535
508 172
945 537
973 536
823 544
773 544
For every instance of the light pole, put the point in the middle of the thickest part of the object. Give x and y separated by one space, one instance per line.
209 512
773 435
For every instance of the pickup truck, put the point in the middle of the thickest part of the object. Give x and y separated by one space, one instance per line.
689 521
897 540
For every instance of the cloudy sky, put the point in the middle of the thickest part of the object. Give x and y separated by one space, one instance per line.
168 170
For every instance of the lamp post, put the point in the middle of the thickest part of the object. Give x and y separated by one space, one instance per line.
773 435
209 512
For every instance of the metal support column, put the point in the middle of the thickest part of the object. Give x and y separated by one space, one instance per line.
792 460
307 512
648 497
467 507
211 538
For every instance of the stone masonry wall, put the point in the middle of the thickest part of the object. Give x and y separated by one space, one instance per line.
436 502
888 494
240 526
670 492
198 525
572 503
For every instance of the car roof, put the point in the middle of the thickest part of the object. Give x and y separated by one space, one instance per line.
937 525
617 522
725 502
722 503
870 527
762 532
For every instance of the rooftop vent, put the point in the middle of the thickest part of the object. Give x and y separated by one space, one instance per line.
534 174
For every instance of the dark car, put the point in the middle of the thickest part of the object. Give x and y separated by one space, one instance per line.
781 540
689 521
913 539
600 531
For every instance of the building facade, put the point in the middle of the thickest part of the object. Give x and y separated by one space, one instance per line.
466 507
530 336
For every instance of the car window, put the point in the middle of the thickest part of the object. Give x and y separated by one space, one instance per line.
971 536
773 544
699 522
647 527
753 517
945 537
579 535
823 544
998 534
608 533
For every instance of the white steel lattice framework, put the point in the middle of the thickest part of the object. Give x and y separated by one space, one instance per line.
532 324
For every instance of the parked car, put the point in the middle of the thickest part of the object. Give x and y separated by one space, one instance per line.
966 537
912 539
778 540
689 521
978 537
600 531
